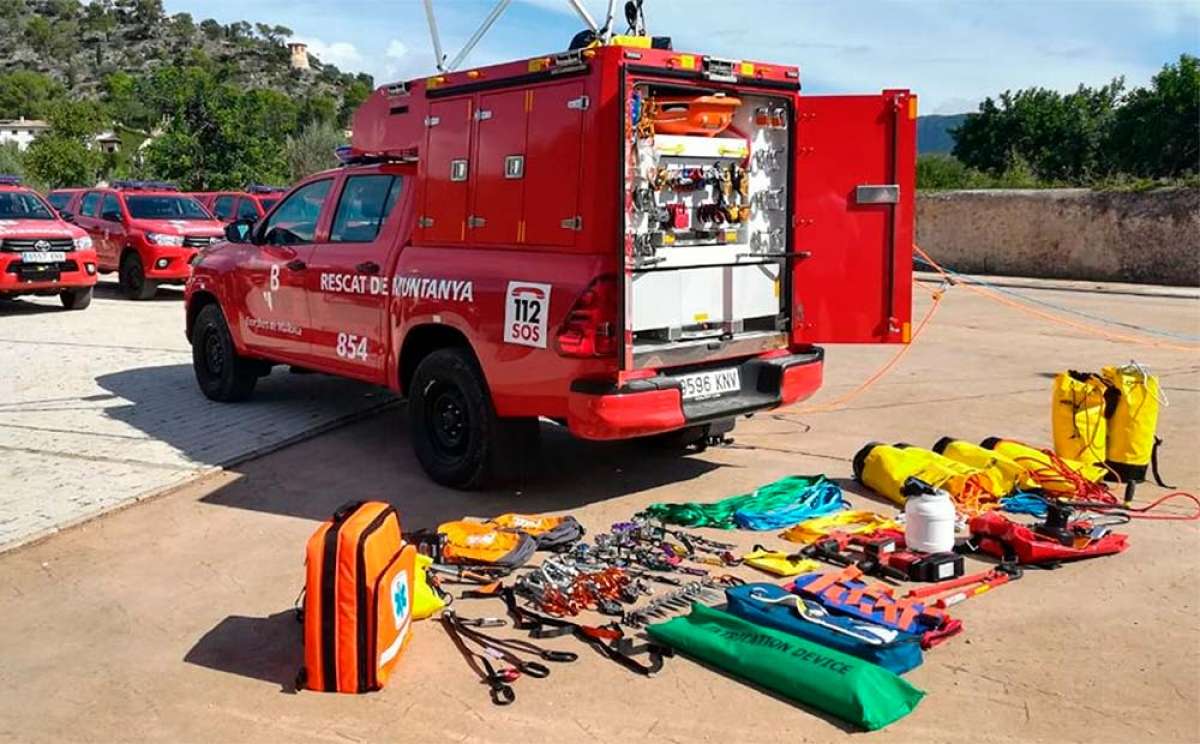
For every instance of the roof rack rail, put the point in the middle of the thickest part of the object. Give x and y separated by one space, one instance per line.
9 180
130 185
258 188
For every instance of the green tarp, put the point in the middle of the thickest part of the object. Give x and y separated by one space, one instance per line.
843 686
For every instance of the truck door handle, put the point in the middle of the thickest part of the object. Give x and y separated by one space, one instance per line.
296 265
367 267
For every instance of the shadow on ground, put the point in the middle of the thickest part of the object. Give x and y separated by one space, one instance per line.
270 649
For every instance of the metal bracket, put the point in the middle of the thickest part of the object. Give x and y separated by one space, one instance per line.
580 104
432 121
575 223
474 222
483 115
424 222
459 170
397 89
720 70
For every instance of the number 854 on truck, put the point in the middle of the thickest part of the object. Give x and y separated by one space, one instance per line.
632 242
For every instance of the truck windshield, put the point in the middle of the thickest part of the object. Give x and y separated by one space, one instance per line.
165 208
22 205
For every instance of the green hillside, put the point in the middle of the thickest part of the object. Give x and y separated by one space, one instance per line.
934 132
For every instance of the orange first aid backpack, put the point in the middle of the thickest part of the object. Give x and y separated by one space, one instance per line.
357 600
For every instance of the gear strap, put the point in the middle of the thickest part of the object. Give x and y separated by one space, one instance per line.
1154 464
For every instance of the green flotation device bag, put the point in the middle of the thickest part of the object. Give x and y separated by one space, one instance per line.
841 685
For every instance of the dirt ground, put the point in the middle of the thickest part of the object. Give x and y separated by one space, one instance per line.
171 621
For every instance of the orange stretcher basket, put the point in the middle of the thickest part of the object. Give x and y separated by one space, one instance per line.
701 115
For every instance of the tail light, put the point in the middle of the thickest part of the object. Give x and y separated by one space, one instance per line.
590 328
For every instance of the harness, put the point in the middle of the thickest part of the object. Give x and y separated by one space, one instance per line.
845 591
461 630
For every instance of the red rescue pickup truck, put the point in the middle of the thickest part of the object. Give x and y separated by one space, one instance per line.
40 253
146 231
251 204
628 241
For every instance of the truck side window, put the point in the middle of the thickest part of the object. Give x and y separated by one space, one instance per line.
295 221
246 209
87 207
112 208
223 207
365 203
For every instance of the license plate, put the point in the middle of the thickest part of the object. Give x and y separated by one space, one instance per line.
43 257
711 384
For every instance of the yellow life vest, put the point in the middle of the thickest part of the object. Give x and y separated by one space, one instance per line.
1133 423
1006 474
884 468
1041 468
859 522
1079 404
425 600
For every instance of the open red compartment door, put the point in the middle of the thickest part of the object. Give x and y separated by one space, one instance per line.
854 186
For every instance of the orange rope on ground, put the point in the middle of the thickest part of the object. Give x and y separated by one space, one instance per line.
1050 317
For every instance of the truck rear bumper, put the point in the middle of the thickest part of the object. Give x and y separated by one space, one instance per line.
656 405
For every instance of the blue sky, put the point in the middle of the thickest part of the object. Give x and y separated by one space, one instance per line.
951 52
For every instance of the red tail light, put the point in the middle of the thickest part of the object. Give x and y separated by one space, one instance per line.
590 328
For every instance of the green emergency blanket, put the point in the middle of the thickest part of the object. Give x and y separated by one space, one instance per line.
777 505
843 686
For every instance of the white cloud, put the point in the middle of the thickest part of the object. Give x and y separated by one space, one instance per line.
343 54
396 50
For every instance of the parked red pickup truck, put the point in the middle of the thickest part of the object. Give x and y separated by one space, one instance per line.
40 253
146 231
251 204
630 242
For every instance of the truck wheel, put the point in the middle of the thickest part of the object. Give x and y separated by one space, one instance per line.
458 439
132 278
76 299
222 374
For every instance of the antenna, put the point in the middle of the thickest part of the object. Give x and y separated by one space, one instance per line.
605 32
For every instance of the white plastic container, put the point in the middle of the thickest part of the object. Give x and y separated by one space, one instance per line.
929 522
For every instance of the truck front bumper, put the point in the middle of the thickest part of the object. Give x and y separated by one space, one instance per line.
76 271
598 410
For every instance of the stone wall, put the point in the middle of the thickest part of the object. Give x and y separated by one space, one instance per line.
1150 237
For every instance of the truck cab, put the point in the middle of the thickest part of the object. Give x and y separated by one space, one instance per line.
40 253
146 231
251 204
631 243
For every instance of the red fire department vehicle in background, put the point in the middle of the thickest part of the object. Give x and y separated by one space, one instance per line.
627 240
251 204
40 253
146 231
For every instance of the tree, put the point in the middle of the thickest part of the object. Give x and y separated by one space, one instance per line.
1060 136
28 94
12 160
312 149
1156 133
58 161
353 96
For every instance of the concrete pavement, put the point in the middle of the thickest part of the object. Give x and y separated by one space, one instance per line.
99 408
171 621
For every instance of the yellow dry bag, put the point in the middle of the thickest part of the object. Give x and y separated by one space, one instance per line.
1006 474
1041 468
1079 405
855 522
1133 422
884 468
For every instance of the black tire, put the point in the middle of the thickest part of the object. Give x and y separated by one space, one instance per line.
221 373
76 299
457 437
132 278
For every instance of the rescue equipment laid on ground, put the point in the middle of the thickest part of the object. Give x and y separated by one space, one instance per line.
1000 537
1008 475
357 599
778 562
782 503
464 541
928 517
464 632
1080 405
854 522
846 592
886 468
1053 474
927 567
1133 442
551 533
427 599
841 685
772 606
946 594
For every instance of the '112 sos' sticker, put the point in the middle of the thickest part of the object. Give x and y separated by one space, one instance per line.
525 309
